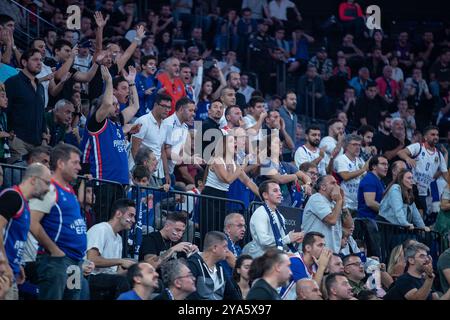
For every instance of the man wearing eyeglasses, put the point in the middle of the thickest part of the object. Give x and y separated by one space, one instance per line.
354 271
234 229
179 282
15 221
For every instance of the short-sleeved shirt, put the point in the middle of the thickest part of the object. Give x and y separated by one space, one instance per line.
102 237
153 136
370 183
330 144
403 285
154 244
427 164
343 164
316 209
444 264
303 155
278 9
176 135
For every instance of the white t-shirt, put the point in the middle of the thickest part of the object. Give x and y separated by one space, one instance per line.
278 10
250 121
303 155
45 71
343 164
330 144
153 136
427 164
102 237
316 209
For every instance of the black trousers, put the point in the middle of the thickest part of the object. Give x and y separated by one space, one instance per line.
105 286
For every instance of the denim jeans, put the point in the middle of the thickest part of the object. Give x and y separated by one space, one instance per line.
53 278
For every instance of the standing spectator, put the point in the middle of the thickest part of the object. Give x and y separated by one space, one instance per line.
241 274
196 40
59 228
15 221
274 272
442 224
278 11
323 212
426 161
376 63
310 151
300 52
354 55
388 88
267 224
26 101
105 250
245 89
403 113
390 146
171 82
255 118
215 114
351 169
333 143
398 205
228 65
234 81
417 282
6 71
258 8
312 92
403 50
371 188
259 44
351 16
289 115
5 136
212 284
371 107
178 280
152 134
338 287
147 85
367 149
143 278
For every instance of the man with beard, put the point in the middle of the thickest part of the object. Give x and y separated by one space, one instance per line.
338 287
310 264
289 116
333 142
104 249
417 282
143 278
274 273
26 100
58 226
384 130
427 162
310 151
15 221
210 129
371 188
234 81
234 229
171 82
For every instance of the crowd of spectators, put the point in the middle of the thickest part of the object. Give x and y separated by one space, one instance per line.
109 120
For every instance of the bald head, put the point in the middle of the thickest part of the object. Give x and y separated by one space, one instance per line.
36 181
307 289
36 170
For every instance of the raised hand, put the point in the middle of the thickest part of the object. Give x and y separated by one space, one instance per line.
99 20
74 51
131 75
140 32
106 76
101 56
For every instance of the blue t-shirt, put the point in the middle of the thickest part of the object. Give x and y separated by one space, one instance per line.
129 295
201 114
370 183
6 72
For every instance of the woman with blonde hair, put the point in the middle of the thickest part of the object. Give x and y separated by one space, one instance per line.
396 265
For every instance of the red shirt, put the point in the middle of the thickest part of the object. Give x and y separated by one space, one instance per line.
382 86
174 89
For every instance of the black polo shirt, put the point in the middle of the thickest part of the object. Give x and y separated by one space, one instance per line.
25 108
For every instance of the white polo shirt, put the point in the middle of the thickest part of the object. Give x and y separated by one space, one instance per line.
153 136
279 10
176 135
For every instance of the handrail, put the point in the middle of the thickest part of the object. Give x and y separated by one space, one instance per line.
35 15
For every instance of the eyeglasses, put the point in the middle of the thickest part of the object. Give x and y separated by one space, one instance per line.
45 181
189 275
360 264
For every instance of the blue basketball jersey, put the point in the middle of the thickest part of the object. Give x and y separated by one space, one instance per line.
106 152
65 225
16 233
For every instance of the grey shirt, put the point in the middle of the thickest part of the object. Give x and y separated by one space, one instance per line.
317 208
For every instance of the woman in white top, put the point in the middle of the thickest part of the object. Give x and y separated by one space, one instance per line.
222 170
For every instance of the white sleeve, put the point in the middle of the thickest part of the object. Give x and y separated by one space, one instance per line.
340 165
327 144
96 238
143 131
300 157
414 149
247 123
46 204
442 164
262 234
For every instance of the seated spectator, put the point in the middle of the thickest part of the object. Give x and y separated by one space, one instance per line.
143 278
86 197
6 71
323 65
307 289
310 152
396 141
105 250
245 88
333 143
178 280
241 275
370 107
398 205
5 282
5 136
443 267
234 229
388 88
59 120
371 188
312 92
376 63
417 282
396 263
165 244
272 272
367 149
211 284
338 287
354 271
442 224
360 82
